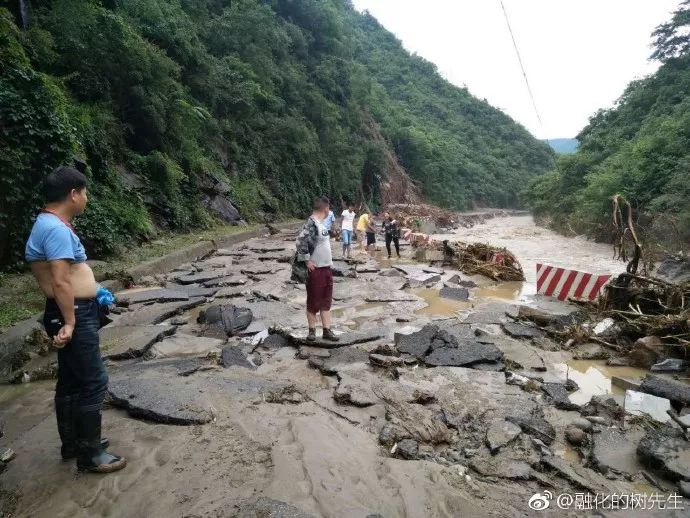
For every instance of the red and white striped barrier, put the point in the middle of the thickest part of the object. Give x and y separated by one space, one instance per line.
564 284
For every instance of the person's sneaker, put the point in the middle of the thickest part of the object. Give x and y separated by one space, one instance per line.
329 335
311 337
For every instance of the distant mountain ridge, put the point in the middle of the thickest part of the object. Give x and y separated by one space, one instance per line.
563 145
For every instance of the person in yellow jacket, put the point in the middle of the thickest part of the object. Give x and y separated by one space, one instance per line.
362 224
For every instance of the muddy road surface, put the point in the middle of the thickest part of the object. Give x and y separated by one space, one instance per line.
436 402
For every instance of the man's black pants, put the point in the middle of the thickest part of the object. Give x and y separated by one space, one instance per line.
395 240
81 373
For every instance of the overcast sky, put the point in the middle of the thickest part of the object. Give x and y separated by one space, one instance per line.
578 54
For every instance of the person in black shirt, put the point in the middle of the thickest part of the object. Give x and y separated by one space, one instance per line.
392 232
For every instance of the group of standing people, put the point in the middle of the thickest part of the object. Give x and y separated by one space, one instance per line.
366 231
314 250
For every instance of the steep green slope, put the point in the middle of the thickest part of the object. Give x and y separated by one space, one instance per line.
640 148
190 110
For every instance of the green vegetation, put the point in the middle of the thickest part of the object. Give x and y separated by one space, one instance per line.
186 110
639 148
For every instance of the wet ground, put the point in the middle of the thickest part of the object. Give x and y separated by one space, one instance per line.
271 427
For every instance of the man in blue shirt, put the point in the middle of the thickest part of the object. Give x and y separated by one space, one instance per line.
71 318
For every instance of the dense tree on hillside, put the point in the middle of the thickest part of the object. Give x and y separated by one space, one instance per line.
640 148
186 110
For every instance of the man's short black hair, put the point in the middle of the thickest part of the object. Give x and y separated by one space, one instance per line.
321 202
60 182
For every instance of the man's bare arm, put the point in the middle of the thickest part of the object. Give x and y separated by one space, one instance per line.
60 272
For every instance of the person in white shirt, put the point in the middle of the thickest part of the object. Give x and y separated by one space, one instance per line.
347 228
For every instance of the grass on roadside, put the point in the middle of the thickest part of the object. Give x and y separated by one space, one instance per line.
20 297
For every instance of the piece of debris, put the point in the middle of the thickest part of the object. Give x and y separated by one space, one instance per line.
408 449
626 383
670 389
6 455
670 365
536 426
558 393
638 403
501 433
575 436
666 450
223 320
233 355
521 331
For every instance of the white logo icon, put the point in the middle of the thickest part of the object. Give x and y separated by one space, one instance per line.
540 501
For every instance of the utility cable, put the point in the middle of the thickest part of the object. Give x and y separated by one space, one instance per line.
517 52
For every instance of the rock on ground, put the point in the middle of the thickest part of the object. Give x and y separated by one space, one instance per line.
408 449
501 433
558 393
615 450
233 355
666 450
536 426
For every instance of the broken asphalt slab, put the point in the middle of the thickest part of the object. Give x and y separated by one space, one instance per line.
666 450
615 450
346 339
156 313
559 395
232 355
501 433
180 345
521 331
139 296
667 388
148 391
119 342
465 354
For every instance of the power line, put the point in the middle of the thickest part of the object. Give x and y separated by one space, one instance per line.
524 74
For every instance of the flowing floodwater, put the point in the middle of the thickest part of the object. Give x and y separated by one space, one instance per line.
532 244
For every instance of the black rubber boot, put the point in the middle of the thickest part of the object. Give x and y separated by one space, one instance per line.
92 457
311 337
65 412
329 335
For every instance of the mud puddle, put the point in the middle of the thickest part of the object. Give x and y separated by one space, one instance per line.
508 291
11 392
357 316
594 378
437 305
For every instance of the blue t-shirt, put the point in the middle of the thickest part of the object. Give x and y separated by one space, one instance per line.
51 240
328 222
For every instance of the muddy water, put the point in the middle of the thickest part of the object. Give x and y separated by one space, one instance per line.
594 378
532 244
437 305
